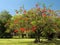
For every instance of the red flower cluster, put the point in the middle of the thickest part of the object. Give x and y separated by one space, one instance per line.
22 29
34 28
15 31
43 14
44 10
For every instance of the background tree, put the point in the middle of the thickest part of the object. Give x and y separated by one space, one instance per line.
4 21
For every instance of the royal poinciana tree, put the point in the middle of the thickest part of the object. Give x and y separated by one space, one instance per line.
41 21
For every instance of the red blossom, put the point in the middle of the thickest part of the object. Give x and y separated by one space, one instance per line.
43 14
22 29
34 28
15 31
44 10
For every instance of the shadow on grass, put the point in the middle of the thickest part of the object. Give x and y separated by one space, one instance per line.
55 42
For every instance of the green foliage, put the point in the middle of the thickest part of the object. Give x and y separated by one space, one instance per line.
4 22
43 21
4 16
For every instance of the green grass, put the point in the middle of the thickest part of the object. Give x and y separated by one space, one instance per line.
27 42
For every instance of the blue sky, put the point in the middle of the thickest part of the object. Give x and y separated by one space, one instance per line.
11 5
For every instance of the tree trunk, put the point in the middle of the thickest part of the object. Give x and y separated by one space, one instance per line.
37 39
51 36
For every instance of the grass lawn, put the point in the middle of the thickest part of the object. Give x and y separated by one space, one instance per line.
27 42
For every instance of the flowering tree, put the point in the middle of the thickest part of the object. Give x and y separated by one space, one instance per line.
40 21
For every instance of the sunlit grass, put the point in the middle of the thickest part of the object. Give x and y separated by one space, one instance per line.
27 42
